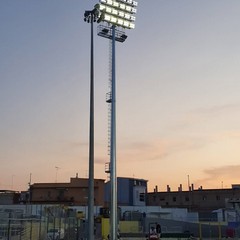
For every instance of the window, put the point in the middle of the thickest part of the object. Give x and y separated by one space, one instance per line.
60 194
142 197
217 197
49 194
187 199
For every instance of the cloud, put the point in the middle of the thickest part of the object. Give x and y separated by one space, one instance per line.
228 134
201 115
72 144
142 151
217 109
230 171
224 175
157 149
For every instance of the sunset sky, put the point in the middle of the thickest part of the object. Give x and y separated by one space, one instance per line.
178 93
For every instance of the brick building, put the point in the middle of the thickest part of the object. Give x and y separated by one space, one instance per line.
73 193
203 201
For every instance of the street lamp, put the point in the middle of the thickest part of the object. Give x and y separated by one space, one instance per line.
116 13
91 17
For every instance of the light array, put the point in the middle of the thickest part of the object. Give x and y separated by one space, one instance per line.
118 12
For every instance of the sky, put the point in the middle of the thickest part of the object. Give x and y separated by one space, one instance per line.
177 100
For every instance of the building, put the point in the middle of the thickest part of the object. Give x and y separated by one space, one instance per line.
9 197
130 192
73 193
203 201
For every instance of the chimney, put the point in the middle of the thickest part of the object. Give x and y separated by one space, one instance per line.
192 187
180 188
156 188
168 188
76 175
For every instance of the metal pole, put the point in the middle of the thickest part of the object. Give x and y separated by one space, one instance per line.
31 229
40 224
9 228
113 178
91 145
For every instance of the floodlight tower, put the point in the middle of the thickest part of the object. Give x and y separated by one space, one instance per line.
91 17
116 13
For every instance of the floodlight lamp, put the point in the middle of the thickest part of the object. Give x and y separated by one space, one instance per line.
135 3
114 11
122 6
134 10
107 17
113 19
127 16
121 14
120 22
128 8
116 4
86 14
125 23
124 36
131 25
132 18
108 9
105 30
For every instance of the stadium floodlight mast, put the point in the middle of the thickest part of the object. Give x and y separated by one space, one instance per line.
116 13
91 17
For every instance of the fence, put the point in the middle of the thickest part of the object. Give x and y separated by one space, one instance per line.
39 229
207 229
69 223
51 222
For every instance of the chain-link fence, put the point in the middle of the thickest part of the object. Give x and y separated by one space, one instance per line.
66 223
50 223
181 229
32 229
